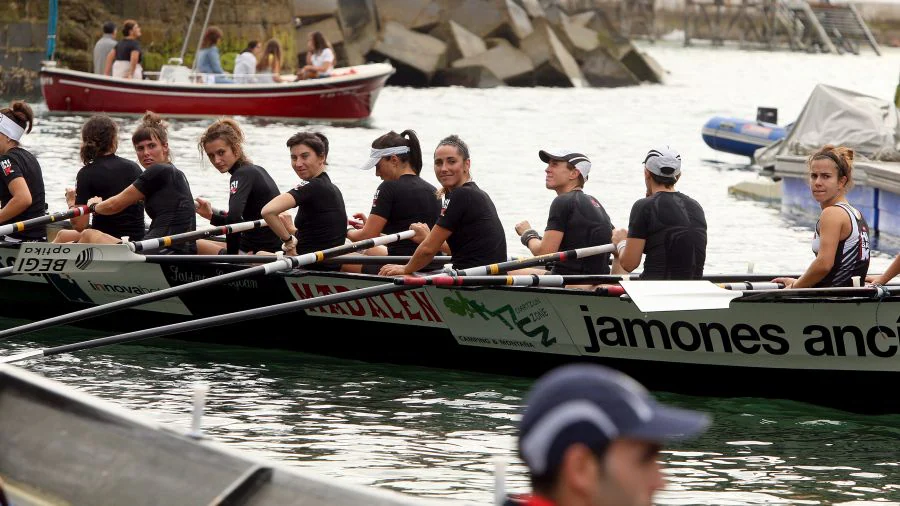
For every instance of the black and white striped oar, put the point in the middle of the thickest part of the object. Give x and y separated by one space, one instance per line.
20 226
280 265
169 240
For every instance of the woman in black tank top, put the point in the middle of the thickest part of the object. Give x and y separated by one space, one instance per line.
403 198
840 255
21 178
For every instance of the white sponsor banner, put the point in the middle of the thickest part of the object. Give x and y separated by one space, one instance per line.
104 287
412 307
511 319
50 258
841 334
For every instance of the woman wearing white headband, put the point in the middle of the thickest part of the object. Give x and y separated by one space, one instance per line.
403 198
321 220
22 190
468 226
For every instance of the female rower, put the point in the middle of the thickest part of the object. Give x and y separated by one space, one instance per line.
841 240
468 220
163 188
103 174
251 188
22 188
403 198
321 219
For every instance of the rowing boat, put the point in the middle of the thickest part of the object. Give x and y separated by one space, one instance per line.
62 446
823 346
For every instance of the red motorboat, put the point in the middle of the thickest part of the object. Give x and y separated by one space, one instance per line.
349 94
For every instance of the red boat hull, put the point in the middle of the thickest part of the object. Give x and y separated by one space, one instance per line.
350 96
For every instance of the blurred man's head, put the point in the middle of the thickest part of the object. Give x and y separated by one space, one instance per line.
592 435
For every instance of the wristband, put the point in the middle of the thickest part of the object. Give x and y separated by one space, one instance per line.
529 235
93 207
289 244
620 247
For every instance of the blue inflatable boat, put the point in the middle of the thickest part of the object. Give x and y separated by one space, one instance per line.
741 136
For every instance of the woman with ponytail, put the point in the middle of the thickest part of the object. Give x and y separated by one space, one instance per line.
403 198
22 188
468 226
841 240
104 174
162 187
321 220
251 188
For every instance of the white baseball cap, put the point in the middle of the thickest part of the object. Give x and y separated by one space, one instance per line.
578 160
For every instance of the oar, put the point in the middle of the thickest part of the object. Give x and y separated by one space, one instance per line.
264 259
43 220
652 296
282 264
552 280
169 240
523 262
274 310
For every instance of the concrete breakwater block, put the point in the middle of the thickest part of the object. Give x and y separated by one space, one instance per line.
534 8
421 52
507 63
315 8
577 39
359 26
554 65
601 69
420 15
643 66
461 43
488 18
476 76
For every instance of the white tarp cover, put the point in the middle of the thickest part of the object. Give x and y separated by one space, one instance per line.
869 125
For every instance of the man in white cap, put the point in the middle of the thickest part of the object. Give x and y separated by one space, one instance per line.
667 225
576 220
591 435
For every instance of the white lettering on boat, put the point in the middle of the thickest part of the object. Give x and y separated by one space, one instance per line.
111 287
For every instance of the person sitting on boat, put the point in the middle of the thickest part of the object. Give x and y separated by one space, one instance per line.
319 57
251 188
403 198
667 225
592 435
468 226
208 57
321 219
103 46
841 240
268 70
245 63
576 220
125 59
163 188
22 188
106 175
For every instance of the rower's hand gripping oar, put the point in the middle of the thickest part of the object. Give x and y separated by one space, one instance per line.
282 264
20 226
169 240
288 307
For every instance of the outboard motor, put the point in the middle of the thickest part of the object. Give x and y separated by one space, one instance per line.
767 115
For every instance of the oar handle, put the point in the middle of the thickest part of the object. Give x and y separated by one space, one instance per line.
21 226
169 240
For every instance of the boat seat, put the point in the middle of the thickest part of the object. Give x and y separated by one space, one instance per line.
175 74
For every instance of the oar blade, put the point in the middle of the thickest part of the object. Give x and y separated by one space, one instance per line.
654 296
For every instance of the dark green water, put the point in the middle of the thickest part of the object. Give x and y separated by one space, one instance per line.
438 433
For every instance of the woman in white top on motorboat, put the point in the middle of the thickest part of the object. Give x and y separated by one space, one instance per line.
245 63
319 58
841 240
268 70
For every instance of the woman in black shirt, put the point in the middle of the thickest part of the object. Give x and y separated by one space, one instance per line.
104 174
321 220
403 198
468 220
22 186
163 188
124 60
250 188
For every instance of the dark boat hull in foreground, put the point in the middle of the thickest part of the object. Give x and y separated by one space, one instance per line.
818 349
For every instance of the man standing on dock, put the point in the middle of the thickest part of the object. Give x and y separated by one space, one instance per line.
591 435
104 45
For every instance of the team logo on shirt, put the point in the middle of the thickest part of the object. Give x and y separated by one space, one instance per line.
375 198
444 203
6 165
301 184
234 185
